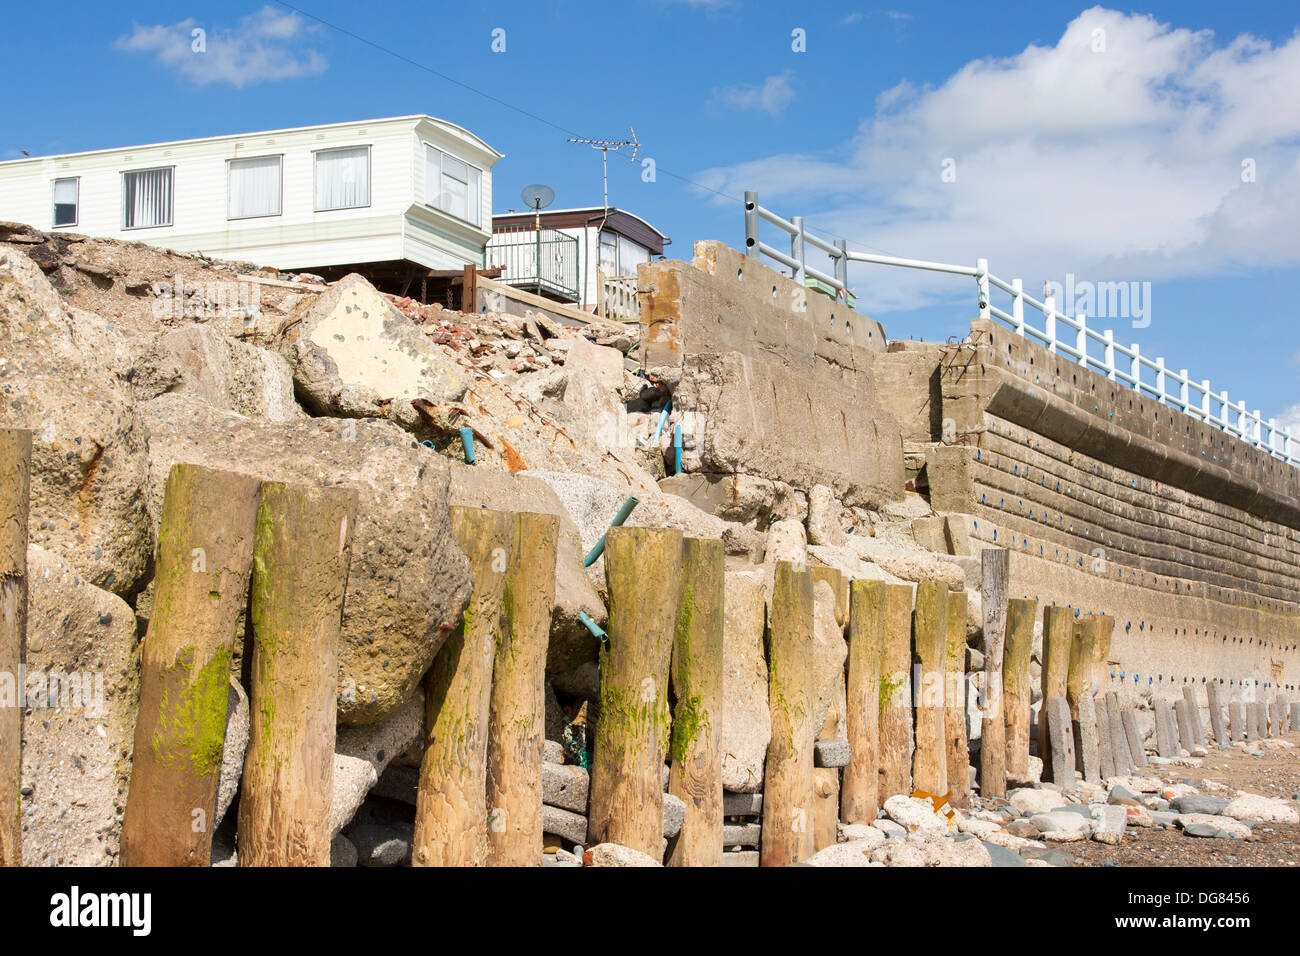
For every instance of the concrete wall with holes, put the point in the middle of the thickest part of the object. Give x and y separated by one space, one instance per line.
769 378
1113 503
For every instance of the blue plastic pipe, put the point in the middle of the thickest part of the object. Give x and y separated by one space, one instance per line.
663 419
467 439
594 554
592 626
677 449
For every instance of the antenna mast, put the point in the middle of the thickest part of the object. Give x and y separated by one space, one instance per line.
605 145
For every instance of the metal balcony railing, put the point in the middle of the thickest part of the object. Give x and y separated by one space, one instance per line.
544 261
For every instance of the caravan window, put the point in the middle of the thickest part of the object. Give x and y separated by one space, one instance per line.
453 185
253 187
147 198
65 201
342 178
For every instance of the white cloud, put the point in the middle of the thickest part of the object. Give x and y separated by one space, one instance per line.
267 45
1123 164
1290 419
772 96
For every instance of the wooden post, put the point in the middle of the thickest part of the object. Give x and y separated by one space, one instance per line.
1016 696
1216 715
1194 715
1134 738
1058 631
896 693
515 717
1078 685
1105 757
1087 749
203 562
301 552
1105 630
696 772
451 808
1083 643
15 489
1119 748
826 807
929 764
643 572
1062 734
469 292
839 584
956 746
996 569
1166 737
788 812
860 788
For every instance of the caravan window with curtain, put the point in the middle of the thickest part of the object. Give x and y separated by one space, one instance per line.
65 201
147 198
630 255
342 178
253 187
452 185
608 254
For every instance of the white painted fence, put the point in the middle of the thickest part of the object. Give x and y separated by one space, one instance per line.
1063 334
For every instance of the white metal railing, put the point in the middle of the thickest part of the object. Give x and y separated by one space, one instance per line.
1063 334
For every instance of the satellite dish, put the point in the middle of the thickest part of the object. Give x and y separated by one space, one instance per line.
537 196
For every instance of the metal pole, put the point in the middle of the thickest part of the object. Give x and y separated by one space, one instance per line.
751 223
1049 321
1018 306
842 266
982 286
796 250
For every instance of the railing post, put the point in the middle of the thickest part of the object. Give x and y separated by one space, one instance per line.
842 266
1109 336
1135 368
1272 435
796 250
1018 306
1049 321
982 286
751 223
1205 400
1182 390
1227 412
1160 378
1081 338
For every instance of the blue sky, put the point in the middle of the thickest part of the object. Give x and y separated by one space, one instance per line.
1121 159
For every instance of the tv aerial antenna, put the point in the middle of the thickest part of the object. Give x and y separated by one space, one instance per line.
605 145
